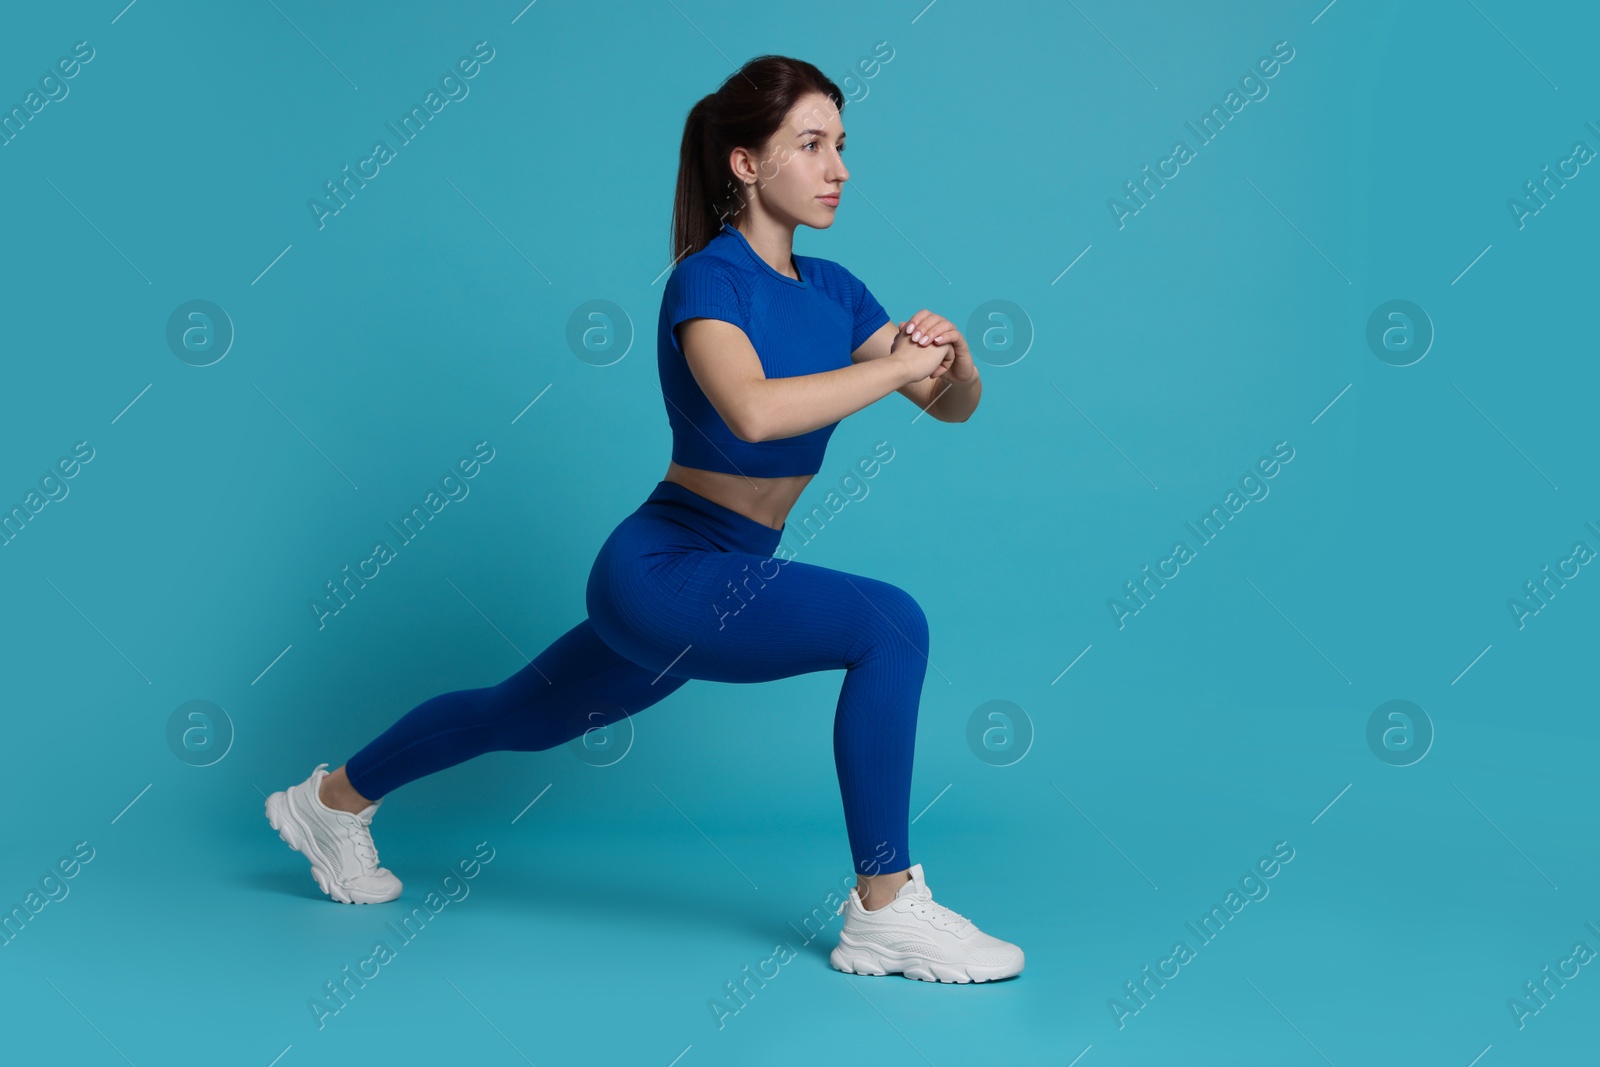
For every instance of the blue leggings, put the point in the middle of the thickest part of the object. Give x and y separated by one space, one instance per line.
686 588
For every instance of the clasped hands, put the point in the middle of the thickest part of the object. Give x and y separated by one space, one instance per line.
939 348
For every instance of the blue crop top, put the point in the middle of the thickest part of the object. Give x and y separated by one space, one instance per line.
797 327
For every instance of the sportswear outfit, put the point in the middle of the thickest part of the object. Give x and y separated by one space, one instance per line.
687 588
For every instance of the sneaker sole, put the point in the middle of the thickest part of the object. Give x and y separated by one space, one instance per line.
298 837
867 960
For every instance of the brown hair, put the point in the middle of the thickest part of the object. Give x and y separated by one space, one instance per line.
745 111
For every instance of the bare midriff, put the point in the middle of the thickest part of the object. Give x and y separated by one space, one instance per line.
766 500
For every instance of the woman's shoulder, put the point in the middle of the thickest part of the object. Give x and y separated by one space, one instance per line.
706 282
708 266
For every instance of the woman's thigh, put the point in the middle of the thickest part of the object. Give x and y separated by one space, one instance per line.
741 617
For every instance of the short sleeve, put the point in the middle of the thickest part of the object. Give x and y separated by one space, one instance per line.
702 287
869 314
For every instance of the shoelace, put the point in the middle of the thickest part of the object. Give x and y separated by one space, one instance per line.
953 921
361 838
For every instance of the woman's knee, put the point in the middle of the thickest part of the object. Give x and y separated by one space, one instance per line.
890 617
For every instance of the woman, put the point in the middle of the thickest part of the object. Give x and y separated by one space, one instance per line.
760 353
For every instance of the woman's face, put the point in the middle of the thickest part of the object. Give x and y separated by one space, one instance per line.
799 166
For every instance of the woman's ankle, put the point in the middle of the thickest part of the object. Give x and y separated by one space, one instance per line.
877 890
337 793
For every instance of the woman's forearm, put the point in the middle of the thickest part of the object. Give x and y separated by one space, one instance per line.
788 407
956 401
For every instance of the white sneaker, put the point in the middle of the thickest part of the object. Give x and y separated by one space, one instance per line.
344 861
913 936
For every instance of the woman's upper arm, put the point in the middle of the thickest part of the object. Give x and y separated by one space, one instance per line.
727 369
707 310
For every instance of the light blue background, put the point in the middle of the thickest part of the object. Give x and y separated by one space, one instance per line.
1230 714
